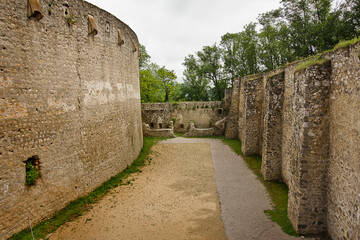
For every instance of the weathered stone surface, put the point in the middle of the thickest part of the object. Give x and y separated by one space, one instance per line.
203 114
231 131
251 133
308 184
71 99
272 132
343 176
310 126
199 132
164 132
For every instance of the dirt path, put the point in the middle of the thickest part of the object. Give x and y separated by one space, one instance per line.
176 197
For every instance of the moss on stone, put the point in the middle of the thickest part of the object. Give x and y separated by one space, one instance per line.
314 61
345 44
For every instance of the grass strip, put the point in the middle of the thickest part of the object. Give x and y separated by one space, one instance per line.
314 61
345 44
79 206
278 191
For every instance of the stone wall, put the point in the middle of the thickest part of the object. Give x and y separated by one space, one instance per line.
310 122
164 132
69 96
203 114
232 129
343 191
311 150
272 132
251 137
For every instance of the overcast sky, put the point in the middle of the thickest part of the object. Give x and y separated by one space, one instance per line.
172 29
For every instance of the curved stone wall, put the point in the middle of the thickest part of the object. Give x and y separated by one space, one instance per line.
69 96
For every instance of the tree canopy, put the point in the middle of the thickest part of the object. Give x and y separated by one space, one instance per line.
297 29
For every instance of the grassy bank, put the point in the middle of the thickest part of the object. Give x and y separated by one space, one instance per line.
77 207
278 191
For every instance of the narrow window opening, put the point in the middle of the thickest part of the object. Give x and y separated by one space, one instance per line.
182 126
107 27
32 170
152 125
160 125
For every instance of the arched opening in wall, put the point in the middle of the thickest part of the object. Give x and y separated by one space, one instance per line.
160 125
219 111
32 170
152 125
182 126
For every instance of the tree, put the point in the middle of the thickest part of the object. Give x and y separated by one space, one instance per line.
167 79
210 68
195 87
144 60
150 86
231 46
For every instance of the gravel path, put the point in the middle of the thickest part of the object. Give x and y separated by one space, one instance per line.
243 198
178 196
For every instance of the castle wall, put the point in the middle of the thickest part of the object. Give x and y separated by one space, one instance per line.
204 114
68 97
310 125
251 138
343 192
307 186
272 132
232 125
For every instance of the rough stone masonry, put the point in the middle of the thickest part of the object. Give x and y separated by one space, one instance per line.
69 98
309 119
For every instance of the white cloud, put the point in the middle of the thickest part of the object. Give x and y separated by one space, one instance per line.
172 29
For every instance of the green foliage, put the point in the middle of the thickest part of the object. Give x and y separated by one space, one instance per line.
70 19
313 61
144 57
195 87
157 84
296 30
167 79
77 207
210 68
345 44
150 86
173 119
32 173
194 107
278 191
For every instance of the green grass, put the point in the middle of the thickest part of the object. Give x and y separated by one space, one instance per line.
314 61
278 191
179 134
345 44
77 207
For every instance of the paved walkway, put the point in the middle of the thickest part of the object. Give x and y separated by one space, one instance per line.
243 198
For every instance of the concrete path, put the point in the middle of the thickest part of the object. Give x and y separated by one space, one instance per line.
242 197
